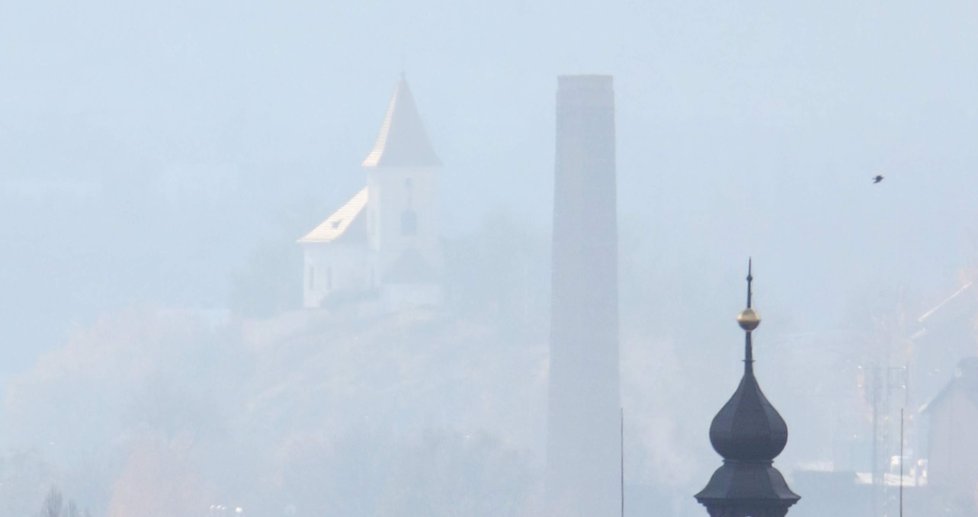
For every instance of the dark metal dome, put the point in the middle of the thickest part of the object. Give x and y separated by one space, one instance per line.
748 428
749 433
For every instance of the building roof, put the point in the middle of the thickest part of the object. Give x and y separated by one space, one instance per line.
749 433
965 381
343 221
748 428
403 141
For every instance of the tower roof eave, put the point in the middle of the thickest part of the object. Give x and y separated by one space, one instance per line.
758 483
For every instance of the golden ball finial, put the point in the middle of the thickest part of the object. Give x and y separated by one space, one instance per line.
748 319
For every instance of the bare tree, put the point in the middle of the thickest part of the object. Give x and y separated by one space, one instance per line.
53 503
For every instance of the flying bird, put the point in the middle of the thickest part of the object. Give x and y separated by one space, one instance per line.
877 179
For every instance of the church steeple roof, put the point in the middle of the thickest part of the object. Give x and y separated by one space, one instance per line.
749 433
748 428
403 141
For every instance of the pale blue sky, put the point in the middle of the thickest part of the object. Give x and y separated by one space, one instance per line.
744 128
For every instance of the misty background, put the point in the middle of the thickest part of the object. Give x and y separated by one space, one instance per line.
158 160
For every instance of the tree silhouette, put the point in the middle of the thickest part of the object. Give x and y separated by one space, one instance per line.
53 503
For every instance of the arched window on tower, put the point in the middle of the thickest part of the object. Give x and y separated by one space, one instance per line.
409 222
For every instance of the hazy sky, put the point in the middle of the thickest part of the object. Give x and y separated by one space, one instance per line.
744 128
153 153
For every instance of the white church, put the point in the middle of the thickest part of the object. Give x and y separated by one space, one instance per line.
384 243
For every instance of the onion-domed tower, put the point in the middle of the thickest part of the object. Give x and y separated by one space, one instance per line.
749 433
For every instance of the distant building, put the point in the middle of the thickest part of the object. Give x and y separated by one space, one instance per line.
384 243
944 335
952 455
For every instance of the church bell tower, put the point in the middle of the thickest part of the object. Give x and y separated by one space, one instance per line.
402 221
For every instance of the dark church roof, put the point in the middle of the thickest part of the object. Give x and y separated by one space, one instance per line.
403 141
748 433
748 428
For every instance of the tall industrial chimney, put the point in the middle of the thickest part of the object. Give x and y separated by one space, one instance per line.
583 463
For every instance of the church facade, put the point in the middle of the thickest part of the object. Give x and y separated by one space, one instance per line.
384 243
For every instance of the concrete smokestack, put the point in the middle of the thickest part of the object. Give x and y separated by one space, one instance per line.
583 464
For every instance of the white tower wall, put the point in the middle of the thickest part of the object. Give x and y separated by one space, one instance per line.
402 215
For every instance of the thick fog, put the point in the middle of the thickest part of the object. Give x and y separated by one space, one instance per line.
160 160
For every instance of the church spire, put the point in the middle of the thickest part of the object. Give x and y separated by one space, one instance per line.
748 433
403 141
748 319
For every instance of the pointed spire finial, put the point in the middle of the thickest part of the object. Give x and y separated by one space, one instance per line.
750 278
748 319
749 433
